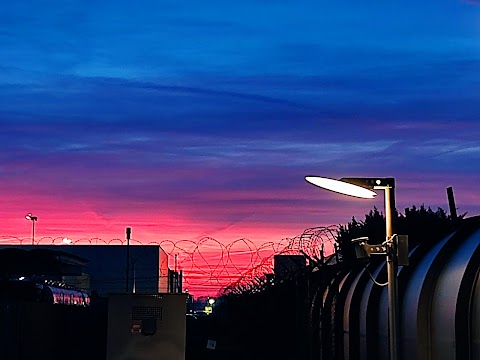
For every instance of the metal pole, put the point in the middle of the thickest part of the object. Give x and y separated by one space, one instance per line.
392 275
33 232
127 265
451 203
134 279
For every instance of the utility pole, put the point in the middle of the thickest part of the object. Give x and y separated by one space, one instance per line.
128 231
32 218
451 203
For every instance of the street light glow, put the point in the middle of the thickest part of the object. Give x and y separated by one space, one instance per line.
29 216
341 187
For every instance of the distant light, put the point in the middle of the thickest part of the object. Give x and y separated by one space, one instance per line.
341 187
67 241
29 216
211 301
21 278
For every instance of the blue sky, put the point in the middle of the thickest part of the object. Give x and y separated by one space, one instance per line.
185 119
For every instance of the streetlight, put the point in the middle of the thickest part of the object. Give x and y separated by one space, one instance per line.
29 216
362 188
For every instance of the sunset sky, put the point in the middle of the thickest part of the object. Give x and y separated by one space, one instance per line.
186 119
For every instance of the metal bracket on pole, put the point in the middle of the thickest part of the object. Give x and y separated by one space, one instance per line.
375 249
397 243
402 249
363 249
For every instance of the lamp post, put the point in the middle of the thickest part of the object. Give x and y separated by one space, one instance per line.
29 216
362 188
128 233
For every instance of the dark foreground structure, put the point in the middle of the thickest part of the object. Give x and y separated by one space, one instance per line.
39 330
439 305
54 300
330 311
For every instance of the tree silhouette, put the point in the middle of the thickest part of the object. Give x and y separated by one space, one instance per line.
420 224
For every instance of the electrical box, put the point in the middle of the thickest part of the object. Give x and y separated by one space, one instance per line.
142 326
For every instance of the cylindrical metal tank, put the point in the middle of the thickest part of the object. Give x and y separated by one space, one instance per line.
439 303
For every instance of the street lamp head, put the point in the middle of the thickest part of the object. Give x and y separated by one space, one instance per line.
211 301
372 183
341 186
29 216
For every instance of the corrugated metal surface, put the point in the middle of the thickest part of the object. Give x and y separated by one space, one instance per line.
475 321
439 303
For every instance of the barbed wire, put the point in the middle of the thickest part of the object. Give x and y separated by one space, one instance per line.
315 243
210 266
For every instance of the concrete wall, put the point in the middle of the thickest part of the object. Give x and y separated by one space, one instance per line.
163 271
